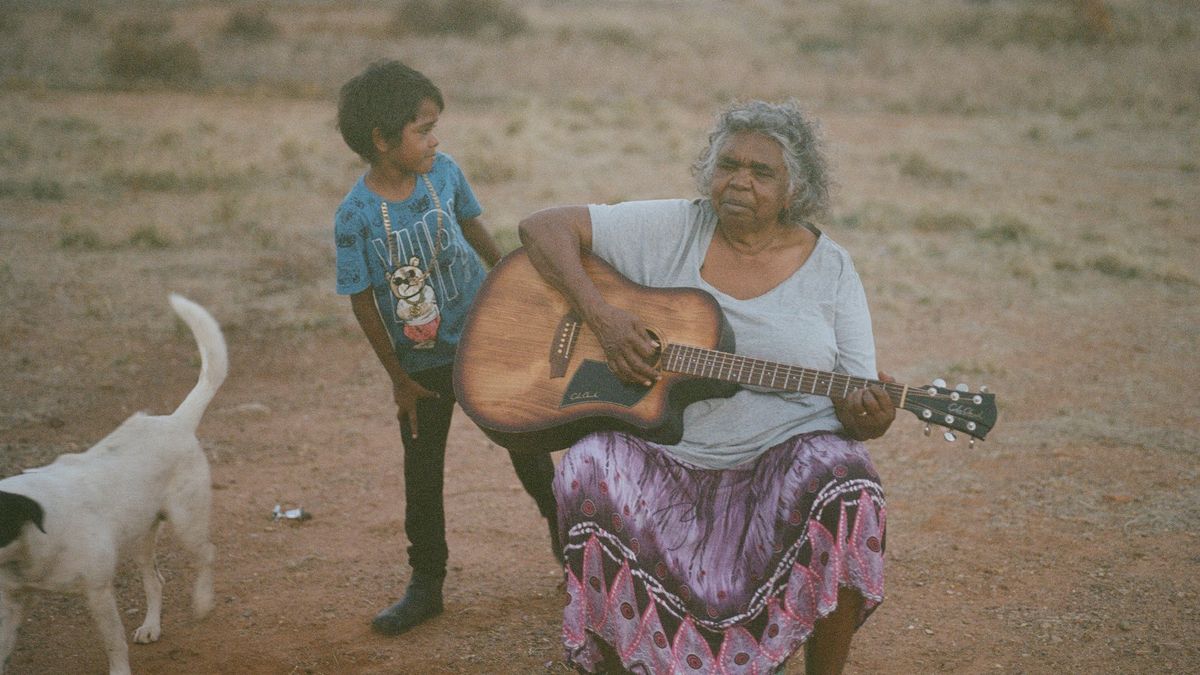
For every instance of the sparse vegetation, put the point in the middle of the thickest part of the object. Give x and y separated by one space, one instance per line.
13 149
141 50
1113 266
168 180
1006 229
79 16
1018 199
468 18
250 24
41 189
81 239
149 237
942 222
916 166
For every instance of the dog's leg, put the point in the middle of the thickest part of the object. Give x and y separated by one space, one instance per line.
10 621
103 603
188 513
152 581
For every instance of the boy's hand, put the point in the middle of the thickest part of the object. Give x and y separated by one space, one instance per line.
406 394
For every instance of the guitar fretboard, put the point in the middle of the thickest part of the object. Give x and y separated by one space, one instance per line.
727 367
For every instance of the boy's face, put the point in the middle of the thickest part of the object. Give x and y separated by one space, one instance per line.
415 150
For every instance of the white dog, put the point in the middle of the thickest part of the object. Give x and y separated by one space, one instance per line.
63 526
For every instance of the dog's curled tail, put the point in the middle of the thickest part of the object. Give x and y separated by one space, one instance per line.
214 360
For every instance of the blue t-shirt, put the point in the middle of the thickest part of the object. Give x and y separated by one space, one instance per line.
423 309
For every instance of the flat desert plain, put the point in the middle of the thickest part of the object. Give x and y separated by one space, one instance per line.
1017 182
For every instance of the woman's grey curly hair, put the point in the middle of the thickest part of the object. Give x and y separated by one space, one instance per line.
796 134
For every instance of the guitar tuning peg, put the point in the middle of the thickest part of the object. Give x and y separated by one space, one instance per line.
928 429
961 386
950 437
983 389
939 383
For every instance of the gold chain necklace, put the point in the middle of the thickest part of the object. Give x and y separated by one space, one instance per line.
437 239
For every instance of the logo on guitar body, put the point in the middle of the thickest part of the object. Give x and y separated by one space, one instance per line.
593 382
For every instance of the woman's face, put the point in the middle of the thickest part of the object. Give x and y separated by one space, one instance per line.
750 181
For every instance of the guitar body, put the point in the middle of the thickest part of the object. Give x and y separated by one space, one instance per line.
534 377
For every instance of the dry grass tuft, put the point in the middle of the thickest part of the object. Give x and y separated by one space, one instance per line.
942 222
250 24
1006 229
916 166
39 189
142 51
468 18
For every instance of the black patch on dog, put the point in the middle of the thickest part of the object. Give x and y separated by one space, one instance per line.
15 511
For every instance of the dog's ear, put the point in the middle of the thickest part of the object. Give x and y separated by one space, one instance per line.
15 511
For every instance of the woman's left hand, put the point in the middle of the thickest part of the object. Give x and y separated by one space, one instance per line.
868 412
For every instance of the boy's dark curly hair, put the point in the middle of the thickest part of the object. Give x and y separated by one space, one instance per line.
387 96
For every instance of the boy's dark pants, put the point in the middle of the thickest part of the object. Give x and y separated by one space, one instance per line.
424 470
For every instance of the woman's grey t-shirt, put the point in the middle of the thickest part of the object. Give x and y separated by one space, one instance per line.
817 318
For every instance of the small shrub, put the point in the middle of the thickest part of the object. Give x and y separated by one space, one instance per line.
80 239
46 189
1006 229
487 170
468 18
915 166
616 36
250 24
79 16
849 221
148 236
10 23
142 51
929 221
41 189
69 124
1042 26
818 44
151 181
13 149
1112 266
170 181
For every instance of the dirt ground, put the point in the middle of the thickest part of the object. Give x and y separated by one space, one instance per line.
1050 256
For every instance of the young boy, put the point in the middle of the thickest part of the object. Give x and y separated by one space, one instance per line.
409 241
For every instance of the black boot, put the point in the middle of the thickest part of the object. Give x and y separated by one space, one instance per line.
422 601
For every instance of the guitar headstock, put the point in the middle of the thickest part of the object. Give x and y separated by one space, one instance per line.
973 413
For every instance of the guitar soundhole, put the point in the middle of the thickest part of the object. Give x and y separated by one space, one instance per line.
654 358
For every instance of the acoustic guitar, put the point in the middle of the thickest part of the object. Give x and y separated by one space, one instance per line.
534 378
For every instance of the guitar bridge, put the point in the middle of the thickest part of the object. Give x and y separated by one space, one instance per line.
564 344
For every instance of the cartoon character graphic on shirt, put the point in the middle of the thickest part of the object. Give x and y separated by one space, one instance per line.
416 304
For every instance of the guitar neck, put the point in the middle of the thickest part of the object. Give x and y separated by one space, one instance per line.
717 365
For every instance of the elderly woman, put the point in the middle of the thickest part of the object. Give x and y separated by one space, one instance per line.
763 529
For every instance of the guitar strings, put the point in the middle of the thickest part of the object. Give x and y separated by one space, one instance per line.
748 370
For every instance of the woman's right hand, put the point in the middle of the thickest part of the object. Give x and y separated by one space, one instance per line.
628 347
406 394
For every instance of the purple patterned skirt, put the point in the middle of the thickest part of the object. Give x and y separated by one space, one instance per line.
682 569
